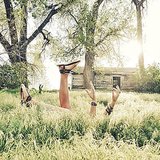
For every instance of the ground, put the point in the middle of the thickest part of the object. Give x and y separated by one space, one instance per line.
131 132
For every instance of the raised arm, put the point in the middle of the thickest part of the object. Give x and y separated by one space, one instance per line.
115 94
92 95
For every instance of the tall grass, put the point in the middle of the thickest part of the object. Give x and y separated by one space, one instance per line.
131 132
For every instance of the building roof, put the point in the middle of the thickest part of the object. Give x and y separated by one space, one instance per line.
109 70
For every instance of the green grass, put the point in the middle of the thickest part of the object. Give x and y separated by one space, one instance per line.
131 132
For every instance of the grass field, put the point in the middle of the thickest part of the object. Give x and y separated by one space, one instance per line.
131 132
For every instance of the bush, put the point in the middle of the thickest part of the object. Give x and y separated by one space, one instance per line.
150 82
12 76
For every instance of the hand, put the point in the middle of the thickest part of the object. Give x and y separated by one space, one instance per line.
115 93
91 92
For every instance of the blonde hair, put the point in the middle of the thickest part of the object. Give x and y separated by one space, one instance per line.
23 92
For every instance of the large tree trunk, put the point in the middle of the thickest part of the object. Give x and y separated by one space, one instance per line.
140 39
88 69
139 8
19 62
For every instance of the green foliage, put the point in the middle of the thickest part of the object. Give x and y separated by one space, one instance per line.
8 77
148 131
101 129
12 76
64 130
99 35
80 126
150 82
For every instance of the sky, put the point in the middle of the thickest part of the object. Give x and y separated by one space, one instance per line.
153 34
151 39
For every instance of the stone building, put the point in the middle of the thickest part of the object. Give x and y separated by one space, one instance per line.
105 78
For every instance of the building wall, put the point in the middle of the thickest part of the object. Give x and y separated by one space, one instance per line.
105 81
77 81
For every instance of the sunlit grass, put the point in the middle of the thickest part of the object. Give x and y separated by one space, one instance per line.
132 131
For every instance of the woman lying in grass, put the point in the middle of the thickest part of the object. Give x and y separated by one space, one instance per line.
65 70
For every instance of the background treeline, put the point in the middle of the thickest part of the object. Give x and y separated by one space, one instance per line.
150 81
10 77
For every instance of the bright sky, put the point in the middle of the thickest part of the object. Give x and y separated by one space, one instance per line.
153 34
151 39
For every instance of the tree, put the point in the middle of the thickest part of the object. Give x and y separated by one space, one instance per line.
150 81
139 8
89 46
94 26
17 42
93 43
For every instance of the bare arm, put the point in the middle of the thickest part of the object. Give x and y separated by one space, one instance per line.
115 94
92 95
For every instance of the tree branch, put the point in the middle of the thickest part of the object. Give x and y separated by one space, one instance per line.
73 17
96 8
92 18
6 46
111 33
11 22
45 36
46 40
73 49
42 25
138 3
23 30
4 42
141 2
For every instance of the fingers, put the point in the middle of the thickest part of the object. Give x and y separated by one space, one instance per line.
117 89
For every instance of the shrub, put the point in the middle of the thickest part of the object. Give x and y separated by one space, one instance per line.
150 82
12 76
